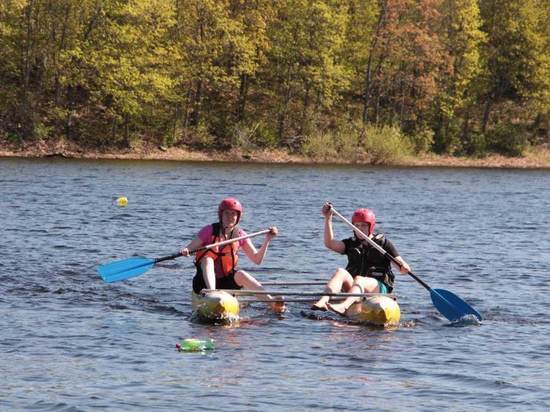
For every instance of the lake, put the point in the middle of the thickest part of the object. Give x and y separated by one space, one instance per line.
73 342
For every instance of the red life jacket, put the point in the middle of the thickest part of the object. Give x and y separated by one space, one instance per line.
225 257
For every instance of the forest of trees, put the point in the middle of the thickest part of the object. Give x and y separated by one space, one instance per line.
462 77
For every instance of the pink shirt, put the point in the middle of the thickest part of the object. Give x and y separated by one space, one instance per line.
205 235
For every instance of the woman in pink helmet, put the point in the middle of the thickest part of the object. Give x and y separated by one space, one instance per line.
368 271
217 268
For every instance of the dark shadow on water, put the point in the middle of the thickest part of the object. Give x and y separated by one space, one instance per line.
334 318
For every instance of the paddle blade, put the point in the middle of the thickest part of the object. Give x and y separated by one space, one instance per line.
125 269
451 306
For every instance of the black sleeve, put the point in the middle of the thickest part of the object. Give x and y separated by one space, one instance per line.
348 244
390 248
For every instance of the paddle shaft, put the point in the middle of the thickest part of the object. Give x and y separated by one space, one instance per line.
298 283
244 292
379 248
213 245
292 300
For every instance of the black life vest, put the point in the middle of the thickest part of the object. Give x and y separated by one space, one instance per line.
365 260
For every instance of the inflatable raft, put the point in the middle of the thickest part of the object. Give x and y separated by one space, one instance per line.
215 307
375 310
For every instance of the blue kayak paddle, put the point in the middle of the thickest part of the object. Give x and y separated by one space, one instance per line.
138 265
447 303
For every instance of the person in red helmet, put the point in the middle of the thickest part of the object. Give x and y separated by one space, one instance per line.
217 268
367 271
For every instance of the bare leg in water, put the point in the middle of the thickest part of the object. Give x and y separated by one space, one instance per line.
341 280
247 281
361 285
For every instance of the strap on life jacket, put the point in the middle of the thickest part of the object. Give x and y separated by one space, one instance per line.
226 256
364 260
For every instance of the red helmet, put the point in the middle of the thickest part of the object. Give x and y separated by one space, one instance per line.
230 203
365 216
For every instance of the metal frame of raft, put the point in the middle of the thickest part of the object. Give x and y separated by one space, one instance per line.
223 306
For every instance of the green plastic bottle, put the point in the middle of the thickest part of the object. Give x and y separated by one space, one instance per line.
195 345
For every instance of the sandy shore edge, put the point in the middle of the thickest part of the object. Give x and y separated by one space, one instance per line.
535 158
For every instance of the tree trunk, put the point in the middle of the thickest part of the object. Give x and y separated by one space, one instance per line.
377 109
187 111
57 85
26 107
487 113
368 71
466 125
197 98
284 106
402 104
243 92
305 109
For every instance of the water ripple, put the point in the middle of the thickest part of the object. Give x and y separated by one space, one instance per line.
72 342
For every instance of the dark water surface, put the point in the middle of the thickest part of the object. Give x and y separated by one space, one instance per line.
69 341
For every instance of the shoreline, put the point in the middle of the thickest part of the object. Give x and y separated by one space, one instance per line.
535 158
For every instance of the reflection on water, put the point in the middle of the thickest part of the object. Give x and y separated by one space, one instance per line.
71 341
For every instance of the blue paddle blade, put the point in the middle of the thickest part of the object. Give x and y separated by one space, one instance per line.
125 269
451 306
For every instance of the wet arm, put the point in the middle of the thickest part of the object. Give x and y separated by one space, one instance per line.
257 256
191 246
403 266
330 242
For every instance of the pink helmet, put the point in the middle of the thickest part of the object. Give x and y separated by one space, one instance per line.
230 203
365 216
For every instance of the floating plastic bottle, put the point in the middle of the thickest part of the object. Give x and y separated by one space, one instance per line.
195 345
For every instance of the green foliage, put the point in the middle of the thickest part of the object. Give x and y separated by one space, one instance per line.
380 144
13 138
305 71
386 144
201 138
320 146
451 75
265 136
254 136
422 140
515 46
507 139
475 145
447 137
348 141
342 143
41 131
462 38
516 52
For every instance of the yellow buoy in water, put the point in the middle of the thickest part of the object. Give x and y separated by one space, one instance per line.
121 201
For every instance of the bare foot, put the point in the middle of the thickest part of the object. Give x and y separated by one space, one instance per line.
319 306
339 308
278 306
